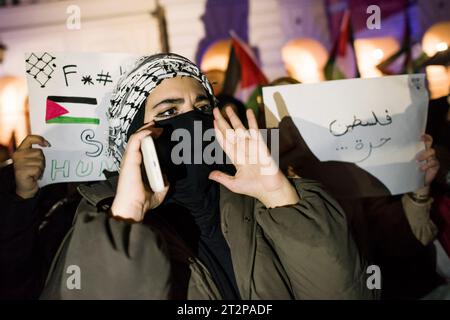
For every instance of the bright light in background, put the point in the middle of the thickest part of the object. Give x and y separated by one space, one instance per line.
441 46
216 56
438 81
304 68
370 52
378 54
435 39
13 93
304 59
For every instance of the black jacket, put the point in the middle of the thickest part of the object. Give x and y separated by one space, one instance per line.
31 232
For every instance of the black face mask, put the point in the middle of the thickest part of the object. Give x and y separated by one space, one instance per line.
189 183
191 189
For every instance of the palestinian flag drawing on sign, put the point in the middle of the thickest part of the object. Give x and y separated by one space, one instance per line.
57 110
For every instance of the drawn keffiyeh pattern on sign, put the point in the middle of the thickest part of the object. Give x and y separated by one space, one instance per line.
39 67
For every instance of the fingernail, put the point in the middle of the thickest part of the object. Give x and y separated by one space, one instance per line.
47 144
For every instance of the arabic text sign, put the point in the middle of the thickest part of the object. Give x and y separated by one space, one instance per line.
375 123
69 99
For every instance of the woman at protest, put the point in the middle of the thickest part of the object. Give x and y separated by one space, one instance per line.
214 232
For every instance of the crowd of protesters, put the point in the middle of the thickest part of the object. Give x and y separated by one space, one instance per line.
220 231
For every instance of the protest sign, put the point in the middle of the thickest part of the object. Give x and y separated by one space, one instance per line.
69 98
375 124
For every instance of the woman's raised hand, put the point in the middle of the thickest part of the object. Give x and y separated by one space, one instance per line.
257 173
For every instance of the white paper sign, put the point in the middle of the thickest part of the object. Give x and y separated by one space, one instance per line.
375 123
69 98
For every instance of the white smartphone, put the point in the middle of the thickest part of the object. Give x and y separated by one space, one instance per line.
151 164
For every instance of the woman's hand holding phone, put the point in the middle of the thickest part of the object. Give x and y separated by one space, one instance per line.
133 197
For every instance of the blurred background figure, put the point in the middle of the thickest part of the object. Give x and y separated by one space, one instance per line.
237 106
4 156
216 77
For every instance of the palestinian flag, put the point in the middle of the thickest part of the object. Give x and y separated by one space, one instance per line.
342 62
243 75
403 61
255 101
441 58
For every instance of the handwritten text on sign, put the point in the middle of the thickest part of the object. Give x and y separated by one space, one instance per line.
375 123
69 99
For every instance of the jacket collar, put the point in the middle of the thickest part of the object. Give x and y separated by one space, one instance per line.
100 192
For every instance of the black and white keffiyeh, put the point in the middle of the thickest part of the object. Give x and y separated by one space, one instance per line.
134 87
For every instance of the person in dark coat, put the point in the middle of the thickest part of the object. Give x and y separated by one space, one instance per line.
212 233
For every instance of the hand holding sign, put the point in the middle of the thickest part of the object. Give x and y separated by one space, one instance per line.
428 156
29 165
